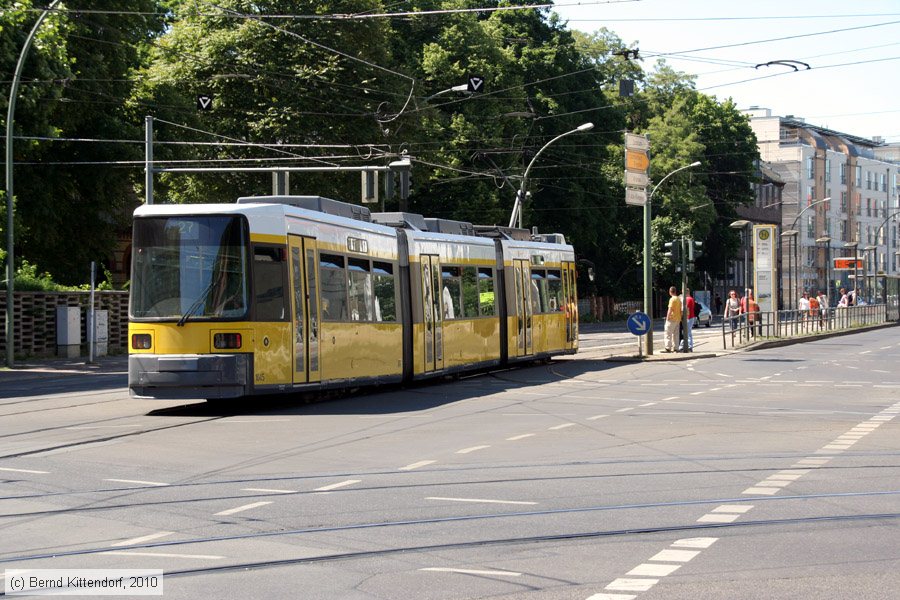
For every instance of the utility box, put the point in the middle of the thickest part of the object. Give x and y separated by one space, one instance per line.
68 331
101 332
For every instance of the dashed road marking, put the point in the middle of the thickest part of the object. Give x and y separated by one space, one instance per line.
595 417
30 471
761 491
416 465
334 486
481 500
144 538
699 542
137 481
625 409
675 555
471 449
472 572
632 585
516 438
653 570
232 511
718 518
562 426
733 508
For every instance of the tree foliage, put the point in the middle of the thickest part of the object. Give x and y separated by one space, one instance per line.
317 91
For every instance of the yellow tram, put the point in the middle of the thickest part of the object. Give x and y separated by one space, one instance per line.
290 293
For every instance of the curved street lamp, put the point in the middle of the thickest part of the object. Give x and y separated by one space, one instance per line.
648 264
797 240
520 196
10 115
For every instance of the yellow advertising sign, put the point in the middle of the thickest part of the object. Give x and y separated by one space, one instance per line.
635 160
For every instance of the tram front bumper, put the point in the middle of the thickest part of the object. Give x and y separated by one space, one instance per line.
178 377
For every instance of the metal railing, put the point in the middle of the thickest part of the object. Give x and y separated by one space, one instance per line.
785 324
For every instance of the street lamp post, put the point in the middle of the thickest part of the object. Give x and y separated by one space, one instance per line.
869 272
792 234
827 241
797 242
854 246
10 117
520 196
648 264
745 226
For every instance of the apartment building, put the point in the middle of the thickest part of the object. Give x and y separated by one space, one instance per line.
841 195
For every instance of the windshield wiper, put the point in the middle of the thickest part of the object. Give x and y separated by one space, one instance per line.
204 295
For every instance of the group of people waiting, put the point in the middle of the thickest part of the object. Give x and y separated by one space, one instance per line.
745 305
674 330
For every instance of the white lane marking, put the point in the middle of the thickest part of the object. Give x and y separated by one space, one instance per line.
813 461
472 449
697 393
562 426
632 585
865 351
774 483
700 542
625 409
733 508
516 438
669 398
144 538
472 572
334 486
648 404
227 421
675 555
416 465
761 491
232 511
714 518
138 481
78 427
882 418
832 447
795 471
269 491
483 500
784 477
162 554
595 417
653 570
879 371
885 348
9 470
724 375
612 597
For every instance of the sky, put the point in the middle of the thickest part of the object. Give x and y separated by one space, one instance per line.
852 85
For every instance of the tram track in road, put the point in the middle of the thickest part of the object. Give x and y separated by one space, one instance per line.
550 537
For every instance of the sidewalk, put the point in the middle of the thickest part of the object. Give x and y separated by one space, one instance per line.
44 368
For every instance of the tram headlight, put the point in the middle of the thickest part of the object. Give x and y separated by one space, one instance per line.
141 341
227 341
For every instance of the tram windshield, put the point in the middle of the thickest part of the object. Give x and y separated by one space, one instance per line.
189 267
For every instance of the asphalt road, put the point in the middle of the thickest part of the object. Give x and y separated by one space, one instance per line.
765 474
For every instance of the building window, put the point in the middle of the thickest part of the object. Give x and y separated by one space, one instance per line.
858 177
868 180
843 202
810 168
827 170
827 231
884 182
844 173
811 227
844 229
810 194
868 207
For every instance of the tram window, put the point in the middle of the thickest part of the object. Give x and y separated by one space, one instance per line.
333 284
451 284
360 280
538 292
555 300
486 291
385 298
268 283
470 292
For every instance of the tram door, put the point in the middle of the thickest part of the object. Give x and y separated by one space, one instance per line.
433 314
304 294
569 297
524 343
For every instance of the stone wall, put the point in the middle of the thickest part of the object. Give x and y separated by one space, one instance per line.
34 321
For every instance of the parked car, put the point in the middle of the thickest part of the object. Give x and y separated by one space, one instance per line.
704 315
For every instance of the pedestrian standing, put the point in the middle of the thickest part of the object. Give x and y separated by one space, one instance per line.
673 320
732 309
803 306
718 304
823 307
691 308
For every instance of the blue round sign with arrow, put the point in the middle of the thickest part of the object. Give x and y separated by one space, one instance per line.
638 323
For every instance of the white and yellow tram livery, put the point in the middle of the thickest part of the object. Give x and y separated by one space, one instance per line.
293 293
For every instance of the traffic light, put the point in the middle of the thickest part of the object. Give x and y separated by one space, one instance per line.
674 251
403 168
694 250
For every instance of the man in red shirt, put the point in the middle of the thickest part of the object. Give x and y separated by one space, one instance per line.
691 307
